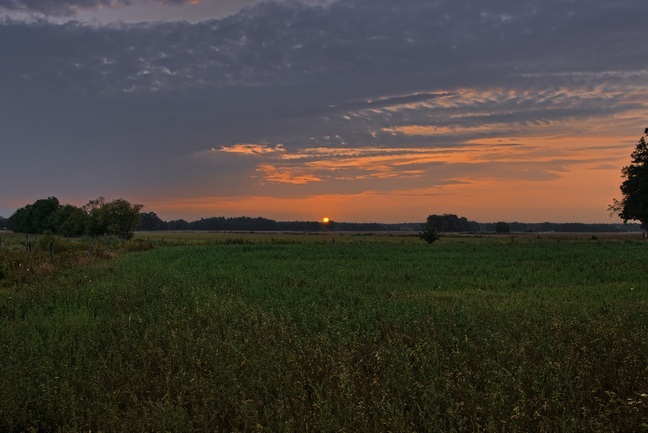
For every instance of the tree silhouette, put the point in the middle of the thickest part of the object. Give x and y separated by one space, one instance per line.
634 204
429 233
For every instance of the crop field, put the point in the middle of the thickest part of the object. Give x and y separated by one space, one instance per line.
186 332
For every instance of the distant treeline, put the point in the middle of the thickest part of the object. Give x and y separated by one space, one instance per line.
151 222
99 217
563 227
442 223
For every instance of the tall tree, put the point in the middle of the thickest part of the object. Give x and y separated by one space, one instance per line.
117 217
634 204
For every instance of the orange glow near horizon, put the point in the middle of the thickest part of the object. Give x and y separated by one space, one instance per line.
483 201
564 170
526 178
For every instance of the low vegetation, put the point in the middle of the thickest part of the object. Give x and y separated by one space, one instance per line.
326 333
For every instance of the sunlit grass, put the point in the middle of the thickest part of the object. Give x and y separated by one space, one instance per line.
322 333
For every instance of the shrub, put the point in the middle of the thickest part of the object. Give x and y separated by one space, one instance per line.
429 235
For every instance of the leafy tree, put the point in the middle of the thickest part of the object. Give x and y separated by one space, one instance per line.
96 217
117 217
36 217
70 221
19 221
43 211
122 217
634 204
438 223
3 223
451 223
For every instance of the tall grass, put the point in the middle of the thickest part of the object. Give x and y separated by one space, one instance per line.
501 335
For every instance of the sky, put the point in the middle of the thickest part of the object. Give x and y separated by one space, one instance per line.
359 110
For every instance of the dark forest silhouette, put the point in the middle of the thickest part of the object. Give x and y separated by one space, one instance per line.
447 223
71 221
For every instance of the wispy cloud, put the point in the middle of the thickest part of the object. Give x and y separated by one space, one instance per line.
250 149
530 159
71 7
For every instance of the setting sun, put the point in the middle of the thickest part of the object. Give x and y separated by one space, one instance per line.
325 220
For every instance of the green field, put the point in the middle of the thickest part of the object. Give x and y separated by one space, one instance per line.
326 333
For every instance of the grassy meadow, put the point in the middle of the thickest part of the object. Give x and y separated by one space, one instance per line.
187 332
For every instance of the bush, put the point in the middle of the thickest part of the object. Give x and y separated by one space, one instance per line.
429 235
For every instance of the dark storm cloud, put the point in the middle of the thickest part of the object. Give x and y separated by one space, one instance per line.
70 7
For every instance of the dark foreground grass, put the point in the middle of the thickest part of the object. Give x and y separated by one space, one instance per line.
496 335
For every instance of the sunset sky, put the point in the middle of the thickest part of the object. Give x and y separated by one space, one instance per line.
359 110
